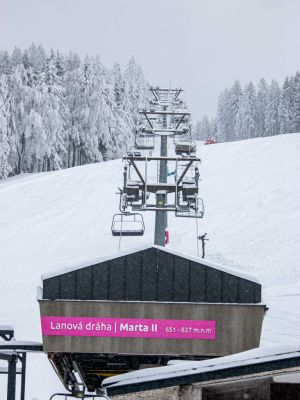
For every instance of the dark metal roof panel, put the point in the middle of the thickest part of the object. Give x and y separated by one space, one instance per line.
152 275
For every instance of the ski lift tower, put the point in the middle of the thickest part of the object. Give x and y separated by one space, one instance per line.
166 116
168 109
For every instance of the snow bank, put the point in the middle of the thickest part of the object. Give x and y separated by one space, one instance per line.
58 219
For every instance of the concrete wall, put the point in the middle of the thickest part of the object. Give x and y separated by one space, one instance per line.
238 327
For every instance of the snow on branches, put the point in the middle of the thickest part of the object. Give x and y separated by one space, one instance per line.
58 111
244 114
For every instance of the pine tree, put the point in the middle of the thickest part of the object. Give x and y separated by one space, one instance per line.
4 63
52 116
204 131
19 106
296 106
15 58
262 101
221 118
286 107
4 142
246 125
272 122
235 95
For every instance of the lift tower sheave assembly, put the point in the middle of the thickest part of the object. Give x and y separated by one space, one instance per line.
176 177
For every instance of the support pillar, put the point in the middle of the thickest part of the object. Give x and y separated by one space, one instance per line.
11 379
23 377
161 217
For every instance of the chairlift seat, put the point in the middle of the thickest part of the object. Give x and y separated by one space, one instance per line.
131 224
188 182
127 233
185 147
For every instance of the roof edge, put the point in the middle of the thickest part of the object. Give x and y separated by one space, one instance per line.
87 263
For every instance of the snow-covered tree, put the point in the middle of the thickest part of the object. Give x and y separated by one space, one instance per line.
15 58
222 116
235 95
5 168
262 102
246 121
57 111
296 106
52 116
286 107
4 62
272 122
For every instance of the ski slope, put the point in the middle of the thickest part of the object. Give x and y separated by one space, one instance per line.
251 191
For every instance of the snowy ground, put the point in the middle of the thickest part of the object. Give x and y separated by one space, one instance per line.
251 191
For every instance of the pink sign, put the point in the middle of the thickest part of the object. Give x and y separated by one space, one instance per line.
129 328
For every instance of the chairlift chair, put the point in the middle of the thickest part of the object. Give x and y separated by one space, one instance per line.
185 147
127 224
192 208
144 143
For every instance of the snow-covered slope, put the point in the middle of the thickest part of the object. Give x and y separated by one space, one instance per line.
251 191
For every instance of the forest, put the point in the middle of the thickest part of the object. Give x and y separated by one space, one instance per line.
58 110
268 110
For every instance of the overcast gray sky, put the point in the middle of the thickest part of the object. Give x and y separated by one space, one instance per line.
200 45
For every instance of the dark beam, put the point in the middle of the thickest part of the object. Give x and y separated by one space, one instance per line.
184 172
158 158
11 380
6 356
23 378
154 93
179 122
136 170
166 112
11 345
149 122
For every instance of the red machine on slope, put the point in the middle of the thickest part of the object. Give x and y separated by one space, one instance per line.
211 140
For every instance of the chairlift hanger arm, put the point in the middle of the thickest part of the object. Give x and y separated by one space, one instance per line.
152 90
178 93
180 121
147 118
184 172
131 159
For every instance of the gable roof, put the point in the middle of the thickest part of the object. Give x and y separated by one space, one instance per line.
151 273
123 253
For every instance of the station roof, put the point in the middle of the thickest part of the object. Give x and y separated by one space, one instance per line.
137 249
151 273
256 362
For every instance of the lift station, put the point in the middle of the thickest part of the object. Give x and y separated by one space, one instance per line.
142 308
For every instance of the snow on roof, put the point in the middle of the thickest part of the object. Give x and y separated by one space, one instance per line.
123 253
250 357
19 345
6 328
